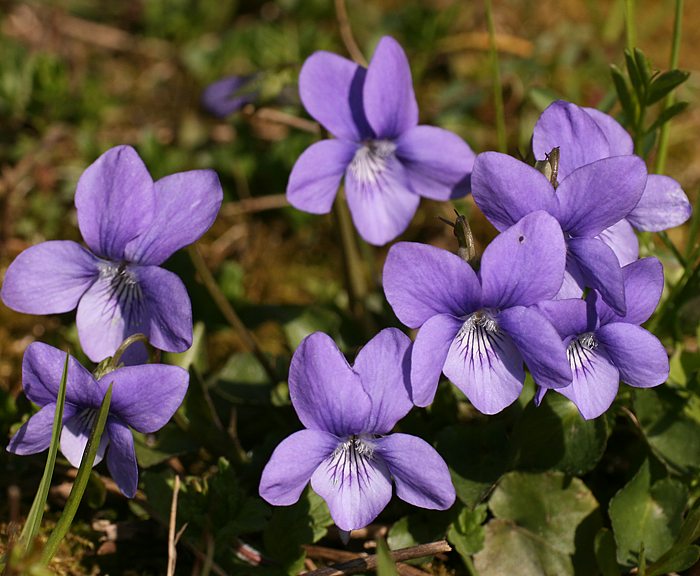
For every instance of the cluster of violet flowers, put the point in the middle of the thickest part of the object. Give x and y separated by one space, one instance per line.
560 290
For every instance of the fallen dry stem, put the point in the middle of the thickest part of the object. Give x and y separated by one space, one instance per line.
370 562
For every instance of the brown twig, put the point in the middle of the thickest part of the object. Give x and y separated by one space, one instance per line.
370 562
333 555
353 49
279 117
256 204
229 313
505 43
172 549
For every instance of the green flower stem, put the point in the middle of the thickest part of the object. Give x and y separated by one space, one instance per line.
662 152
497 85
630 25
80 483
36 513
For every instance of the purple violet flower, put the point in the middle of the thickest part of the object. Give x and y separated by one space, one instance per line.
587 201
131 225
585 135
388 161
604 347
346 449
228 95
143 397
478 329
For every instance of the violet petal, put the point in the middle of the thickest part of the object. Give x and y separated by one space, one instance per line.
421 281
115 201
421 475
292 464
35 434
316 175
622 239
326 392
663 205
121 457
49 278
74 437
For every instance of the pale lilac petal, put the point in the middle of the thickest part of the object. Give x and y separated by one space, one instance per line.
524 264
330 87
600 270
35 434
568 127
420 474
622 239
421 281
429 354
42 368
115 201
438 162
637 354
487 367
663 205
598 195
355 488
326 392
74 437
121 457
573 284
644 282
595 381
146 397
381 204
292 464
384 366
167 309
390 103
619 141
105 318
315 178
569 317
506 189
539 344
49 278
186 206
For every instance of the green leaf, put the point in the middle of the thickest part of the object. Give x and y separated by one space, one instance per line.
312 319
555 436
670 430
419 527
169 442
646 516
667 115
385 563
36 513
540 521
243 380
475 470
466 533
293 526
675 560
634 76
81 480
605 553
623 93
690 529
665 83
643 68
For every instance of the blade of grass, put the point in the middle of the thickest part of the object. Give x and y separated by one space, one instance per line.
671 98
81 481
36 513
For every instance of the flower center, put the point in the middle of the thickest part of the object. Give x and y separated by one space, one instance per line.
580 350
124 291
370 160
478 333
351 458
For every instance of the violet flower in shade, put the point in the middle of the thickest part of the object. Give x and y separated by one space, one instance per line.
388 161
587 200
585 135
143 397
604 347
478 329
228 95
346 449
131 225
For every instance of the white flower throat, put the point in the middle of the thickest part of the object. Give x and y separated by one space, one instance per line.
580 349
350 460
478 333
124 290
371 159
